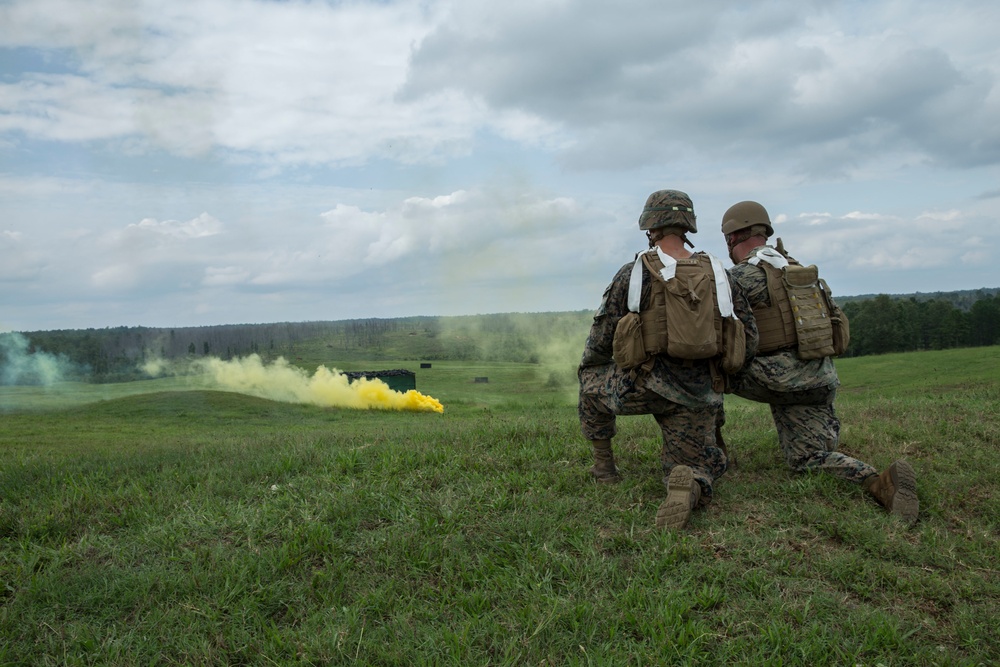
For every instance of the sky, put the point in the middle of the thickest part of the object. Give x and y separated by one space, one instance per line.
172 163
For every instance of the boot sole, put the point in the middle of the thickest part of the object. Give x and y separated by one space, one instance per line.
905 504
605 478
676 509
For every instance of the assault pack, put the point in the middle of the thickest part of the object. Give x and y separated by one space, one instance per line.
689 317
802 313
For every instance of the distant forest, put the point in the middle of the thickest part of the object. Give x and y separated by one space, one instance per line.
904 324
879 324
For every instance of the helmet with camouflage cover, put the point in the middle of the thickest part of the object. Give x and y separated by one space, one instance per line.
744 215
668 208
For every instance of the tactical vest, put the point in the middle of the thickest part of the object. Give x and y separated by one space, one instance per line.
689 315
802 313
682 319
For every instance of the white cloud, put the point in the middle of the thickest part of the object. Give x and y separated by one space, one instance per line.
940 216
20 263
977 258
859 215
203 225
117 276
40 186
225 276
414 82
295 83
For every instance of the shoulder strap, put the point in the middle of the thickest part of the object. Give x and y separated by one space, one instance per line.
667 270
723 291
635 285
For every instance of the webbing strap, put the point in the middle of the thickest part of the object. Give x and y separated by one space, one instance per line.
769 255
723 291
725 296
668 271
635 285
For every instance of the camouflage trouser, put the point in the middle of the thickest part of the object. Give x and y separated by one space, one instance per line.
688 433
808 430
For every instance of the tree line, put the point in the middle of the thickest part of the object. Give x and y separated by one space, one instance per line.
879 324
886 324
116 354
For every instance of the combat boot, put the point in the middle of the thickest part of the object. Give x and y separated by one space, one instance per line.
896 490
683 494
604 470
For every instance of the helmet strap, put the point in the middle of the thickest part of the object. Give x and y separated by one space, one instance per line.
654 235
735 238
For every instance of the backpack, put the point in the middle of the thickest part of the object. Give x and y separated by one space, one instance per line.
684 318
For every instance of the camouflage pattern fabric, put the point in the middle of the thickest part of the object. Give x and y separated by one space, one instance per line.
678 394
800 394
688 433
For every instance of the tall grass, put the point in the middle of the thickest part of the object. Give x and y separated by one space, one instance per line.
200 527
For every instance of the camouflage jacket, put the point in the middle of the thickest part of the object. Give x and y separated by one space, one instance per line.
688 383
780 371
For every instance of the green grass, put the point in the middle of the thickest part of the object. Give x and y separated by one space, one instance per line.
156 523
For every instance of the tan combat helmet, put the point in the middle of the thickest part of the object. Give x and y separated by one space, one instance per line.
743 220
668 208
745 215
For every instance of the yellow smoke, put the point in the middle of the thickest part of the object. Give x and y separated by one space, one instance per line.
280 381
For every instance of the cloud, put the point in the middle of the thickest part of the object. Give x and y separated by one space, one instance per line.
480 228
814 83
152 255
203 225
224 276
861 216
854 245
293 83
41 186
287 84
21 263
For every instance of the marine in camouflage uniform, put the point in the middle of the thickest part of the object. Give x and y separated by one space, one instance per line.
801 392
679 394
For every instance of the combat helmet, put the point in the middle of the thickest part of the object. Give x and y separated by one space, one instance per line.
745 215
668 208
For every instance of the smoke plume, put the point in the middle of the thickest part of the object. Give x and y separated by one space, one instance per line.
280 381
18 365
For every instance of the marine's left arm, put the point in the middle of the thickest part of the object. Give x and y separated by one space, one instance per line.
614 304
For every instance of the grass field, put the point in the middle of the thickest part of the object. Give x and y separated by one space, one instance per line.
161 522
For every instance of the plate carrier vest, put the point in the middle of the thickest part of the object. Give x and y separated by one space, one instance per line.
802 313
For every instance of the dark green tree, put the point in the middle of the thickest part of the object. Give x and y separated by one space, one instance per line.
984 322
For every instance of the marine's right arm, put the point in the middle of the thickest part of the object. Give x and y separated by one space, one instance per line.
614 306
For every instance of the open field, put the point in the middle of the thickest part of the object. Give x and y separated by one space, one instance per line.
161 522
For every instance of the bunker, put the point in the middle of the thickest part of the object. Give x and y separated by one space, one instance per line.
398 379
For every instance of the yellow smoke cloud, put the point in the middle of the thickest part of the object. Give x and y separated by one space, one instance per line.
280 381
